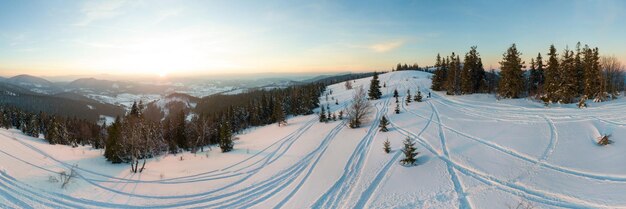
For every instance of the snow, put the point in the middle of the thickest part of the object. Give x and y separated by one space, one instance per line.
475 152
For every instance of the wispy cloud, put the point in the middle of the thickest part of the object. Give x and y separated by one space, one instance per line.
386 46
99 10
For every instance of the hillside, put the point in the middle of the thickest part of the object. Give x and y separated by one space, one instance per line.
475 152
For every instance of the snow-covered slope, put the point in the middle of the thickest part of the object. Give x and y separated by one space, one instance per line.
475 152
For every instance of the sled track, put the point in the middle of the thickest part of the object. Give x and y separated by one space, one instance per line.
545 164
384 172
458 187
506 186
335 196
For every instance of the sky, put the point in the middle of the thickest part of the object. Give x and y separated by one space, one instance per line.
189 37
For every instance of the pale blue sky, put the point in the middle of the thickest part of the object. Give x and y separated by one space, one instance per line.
55 37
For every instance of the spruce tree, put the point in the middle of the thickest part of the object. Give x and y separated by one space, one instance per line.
397 108
409 151
395 93
439 76
568 88
408 96
552 76
450 83
418 96
580 70
113 149
279 114
374 91
226 138
512 77
33 127
387 146
323 115
592 73
383 124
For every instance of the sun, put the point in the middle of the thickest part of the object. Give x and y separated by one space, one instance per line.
162 74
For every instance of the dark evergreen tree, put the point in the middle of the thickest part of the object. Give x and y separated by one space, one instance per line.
279 114
387 146
592 84
552 76
512 77
226 138
374 91
472 73
408 96
536 76
323 115
453 75
180 135
112 151
409 151
33 127
395 93
383 124
418 96
568 86
580 71
397 110
439 76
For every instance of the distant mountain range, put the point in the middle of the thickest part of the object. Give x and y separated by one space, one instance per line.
91 98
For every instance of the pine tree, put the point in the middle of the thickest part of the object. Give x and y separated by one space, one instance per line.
279 114
374 91
397 108
180 134
226 138
408 96
33 127
536 76
580 71
340 115
512 77
592 85
387 146
395 93
383 124
453 83
568 88
409 152
552 76
439 77
112 149
323 115
418 96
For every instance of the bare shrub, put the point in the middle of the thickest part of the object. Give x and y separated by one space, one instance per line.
66 177
604 140
360 108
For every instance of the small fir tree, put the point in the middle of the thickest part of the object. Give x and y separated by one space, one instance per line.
383 124
409 152
323 115
397 108
418 96
374 91
387 146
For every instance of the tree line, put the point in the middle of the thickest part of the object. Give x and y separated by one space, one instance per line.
575 75
55 129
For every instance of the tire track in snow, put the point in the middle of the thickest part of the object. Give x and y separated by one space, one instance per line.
458 186
529 159
384 172
506 186
334 196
